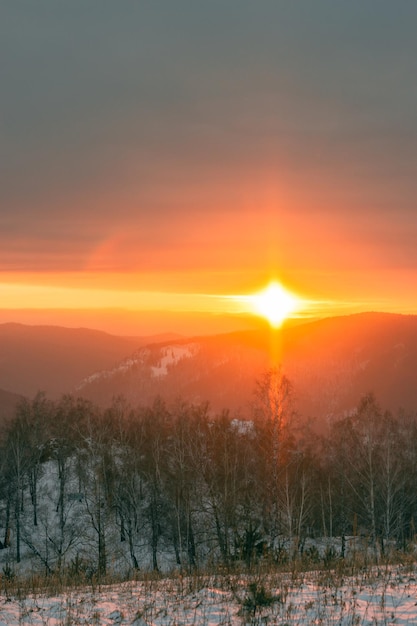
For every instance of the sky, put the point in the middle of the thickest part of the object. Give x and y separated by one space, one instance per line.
157 156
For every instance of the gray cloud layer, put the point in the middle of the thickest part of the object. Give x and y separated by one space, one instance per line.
123 114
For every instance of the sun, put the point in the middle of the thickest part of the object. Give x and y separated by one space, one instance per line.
274 303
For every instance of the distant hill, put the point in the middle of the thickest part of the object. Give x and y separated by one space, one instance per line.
54 359
332 363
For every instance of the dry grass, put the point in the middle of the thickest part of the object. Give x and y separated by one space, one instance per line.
326 572
259 595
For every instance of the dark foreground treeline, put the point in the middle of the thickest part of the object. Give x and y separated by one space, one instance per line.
88 490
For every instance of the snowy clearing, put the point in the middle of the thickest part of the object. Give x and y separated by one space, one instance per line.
383 596
170 356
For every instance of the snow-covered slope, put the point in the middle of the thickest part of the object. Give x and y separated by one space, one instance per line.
158 359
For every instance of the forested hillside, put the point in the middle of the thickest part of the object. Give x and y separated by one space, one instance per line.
89 490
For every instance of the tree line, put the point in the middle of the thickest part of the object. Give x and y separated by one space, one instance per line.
89 490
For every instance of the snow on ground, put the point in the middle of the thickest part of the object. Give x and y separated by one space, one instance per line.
385 596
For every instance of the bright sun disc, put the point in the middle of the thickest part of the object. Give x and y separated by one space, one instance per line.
274 303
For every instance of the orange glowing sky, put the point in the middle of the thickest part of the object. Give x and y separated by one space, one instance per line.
158 157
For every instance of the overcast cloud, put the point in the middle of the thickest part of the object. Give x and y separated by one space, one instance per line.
138 121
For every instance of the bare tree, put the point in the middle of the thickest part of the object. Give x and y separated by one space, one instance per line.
272 413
